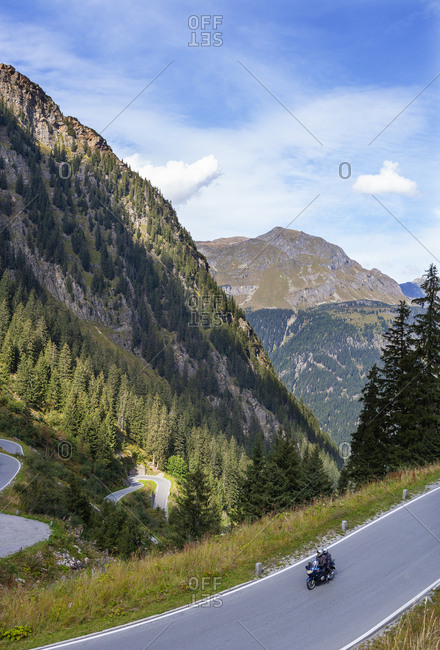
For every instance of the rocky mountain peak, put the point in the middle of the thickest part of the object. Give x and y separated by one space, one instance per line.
38 112
290 269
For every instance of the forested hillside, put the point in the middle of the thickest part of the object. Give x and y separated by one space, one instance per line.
110 324
324 355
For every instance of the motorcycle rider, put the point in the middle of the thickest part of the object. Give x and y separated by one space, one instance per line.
325 561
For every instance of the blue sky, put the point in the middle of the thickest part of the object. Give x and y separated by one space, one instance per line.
232 133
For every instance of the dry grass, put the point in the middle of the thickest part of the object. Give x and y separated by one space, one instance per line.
419 629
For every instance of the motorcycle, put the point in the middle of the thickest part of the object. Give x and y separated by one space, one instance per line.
316 575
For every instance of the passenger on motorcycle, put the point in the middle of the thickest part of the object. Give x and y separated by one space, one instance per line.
325 560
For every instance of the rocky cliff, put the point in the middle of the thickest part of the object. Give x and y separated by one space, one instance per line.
39 113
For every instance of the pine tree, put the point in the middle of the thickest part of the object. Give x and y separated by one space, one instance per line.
195 514
65 370
152 434
315 481
370 446
25 381
163 438
9 355
74 412
399 386
426 447
255 488
41 380
177 467
5 317
76 502
54 392
427 325
231 480
284 472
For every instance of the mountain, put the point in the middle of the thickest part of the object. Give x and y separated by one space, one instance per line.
93 250
289 269
412 289
320 315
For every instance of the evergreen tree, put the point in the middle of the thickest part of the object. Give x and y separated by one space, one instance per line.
25 381
370 444
177 467
255 488
195 514
5 317
163 438
76 501
9 355
427 400
152 434
284 472
74 412
41 380
427 324
315 481
65 370
399 386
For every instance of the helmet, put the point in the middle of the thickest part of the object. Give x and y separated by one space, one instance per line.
324 550
319 551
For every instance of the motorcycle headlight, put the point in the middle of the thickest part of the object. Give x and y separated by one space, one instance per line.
309 571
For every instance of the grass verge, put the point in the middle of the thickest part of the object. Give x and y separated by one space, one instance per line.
130 590
150 485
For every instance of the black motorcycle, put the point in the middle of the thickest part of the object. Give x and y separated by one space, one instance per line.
316 574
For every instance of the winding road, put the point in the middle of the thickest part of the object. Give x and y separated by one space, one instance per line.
9 468
381 568
16 532
163 487
11 447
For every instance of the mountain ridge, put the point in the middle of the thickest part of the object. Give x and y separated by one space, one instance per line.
293 270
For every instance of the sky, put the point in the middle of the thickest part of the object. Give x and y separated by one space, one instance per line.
319 116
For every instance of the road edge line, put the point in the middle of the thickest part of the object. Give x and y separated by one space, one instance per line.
391 617
19 468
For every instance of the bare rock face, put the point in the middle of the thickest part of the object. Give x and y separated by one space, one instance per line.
289 269
38 112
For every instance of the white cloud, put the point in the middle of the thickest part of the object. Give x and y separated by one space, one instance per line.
178 181
387 181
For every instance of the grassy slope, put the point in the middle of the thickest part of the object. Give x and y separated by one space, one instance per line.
130 590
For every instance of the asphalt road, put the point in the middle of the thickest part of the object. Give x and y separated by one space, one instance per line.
380 568
9 467
11 447
163 486
16 532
